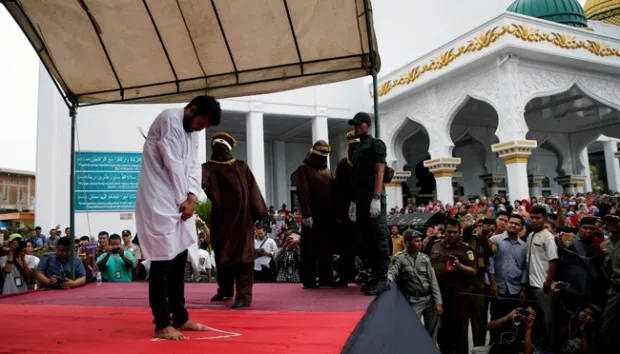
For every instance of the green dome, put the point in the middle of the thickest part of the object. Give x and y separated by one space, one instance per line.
566 12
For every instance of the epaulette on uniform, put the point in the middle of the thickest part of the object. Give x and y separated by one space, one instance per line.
438 240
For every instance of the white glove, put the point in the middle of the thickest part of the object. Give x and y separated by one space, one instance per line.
375 208
307 222
352 212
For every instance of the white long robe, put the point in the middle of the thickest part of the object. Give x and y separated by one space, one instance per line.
170 170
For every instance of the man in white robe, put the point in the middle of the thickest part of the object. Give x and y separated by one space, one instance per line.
169 184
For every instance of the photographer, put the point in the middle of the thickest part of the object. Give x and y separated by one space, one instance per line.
15 270
116 264
54 270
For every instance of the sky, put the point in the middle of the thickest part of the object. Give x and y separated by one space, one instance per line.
405 29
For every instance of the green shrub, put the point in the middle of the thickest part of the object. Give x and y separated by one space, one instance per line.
203 210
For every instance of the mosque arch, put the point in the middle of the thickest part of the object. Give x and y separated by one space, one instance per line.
407 125
470 100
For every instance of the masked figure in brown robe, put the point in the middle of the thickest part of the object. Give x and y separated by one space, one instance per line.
348 243
314 186
237 204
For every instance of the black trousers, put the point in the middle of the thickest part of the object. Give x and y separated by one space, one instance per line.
167 292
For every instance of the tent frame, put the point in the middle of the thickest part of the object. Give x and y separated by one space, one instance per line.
73 101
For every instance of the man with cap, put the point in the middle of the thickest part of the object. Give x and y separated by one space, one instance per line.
313 181
611 265
368 207
350 242
580 266
16 273
416 279
236 204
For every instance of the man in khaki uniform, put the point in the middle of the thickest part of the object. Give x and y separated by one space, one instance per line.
453 262
415 277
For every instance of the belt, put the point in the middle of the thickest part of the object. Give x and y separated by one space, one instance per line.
418 294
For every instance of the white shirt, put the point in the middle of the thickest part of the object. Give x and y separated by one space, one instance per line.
170 170
205 259
269 245
541 249
32 261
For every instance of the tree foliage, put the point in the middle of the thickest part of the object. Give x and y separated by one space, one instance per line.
203 210
597 183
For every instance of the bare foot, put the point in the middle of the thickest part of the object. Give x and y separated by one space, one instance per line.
194 326
169 333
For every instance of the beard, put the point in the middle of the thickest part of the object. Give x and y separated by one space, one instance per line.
187 123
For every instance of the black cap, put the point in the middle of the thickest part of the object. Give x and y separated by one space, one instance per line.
126 233
360 118
588 220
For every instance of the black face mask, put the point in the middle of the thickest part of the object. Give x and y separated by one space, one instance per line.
187 123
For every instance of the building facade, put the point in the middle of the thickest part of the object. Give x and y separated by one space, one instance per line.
513 105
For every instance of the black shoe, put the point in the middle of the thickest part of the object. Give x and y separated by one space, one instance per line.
239 305
219 297
382 285
310 286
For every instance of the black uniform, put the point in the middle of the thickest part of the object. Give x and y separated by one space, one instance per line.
374 230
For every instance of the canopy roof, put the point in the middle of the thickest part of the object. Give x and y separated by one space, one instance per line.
164 51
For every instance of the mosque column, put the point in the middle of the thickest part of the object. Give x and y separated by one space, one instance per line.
279 171
610 149
585 160
443 169
535 180
320 130
256 146
572 184
394 189
492 181
515 154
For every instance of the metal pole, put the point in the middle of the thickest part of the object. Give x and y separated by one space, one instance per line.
73 115
373 66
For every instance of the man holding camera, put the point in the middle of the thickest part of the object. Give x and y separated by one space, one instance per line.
54 270
15 270
116 264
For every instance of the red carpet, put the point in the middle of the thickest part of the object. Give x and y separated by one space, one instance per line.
115 318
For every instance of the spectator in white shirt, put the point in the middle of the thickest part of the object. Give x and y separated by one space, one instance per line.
265 249
542 264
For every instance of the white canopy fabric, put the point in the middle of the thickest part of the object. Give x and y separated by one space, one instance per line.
164 51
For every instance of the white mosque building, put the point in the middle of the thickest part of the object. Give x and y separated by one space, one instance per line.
521 105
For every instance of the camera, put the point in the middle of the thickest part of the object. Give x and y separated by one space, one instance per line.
59 280
116 250
452 258
524 313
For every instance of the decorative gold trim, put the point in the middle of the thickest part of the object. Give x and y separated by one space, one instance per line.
394 184
442 173
509 160
224 135
229 162
485 39
532 143
323 149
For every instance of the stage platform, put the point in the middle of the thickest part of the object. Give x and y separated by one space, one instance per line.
115 318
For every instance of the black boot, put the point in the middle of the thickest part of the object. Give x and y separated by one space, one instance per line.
381 286
219 297
239 305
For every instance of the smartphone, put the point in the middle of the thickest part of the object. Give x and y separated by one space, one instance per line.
562 286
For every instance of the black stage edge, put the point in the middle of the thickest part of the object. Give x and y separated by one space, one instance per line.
390 326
